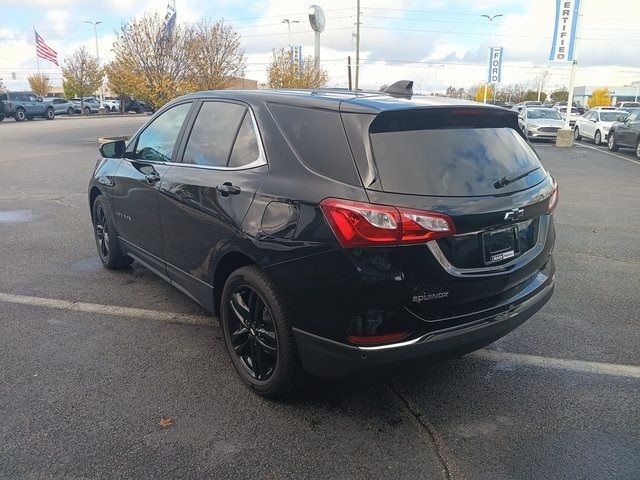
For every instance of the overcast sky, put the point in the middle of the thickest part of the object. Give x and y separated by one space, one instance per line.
435 43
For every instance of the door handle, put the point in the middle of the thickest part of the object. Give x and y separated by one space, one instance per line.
227 189
152 178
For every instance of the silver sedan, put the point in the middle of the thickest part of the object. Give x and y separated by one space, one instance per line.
538 122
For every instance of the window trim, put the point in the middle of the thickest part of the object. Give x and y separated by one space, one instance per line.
258 162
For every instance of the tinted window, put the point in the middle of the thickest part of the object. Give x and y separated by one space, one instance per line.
633 117
156 142
319 140
245 150
453 162
213 134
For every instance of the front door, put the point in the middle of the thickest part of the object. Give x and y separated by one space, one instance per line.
137 182
204 200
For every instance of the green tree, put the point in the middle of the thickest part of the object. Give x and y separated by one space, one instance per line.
600 98
68 90
285 73
560 95
81 73
532 95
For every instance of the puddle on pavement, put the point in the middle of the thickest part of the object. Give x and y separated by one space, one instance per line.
18 216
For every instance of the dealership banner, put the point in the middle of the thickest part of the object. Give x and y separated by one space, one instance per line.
564 33
495 65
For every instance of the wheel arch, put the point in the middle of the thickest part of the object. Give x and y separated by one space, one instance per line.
93 194
226 265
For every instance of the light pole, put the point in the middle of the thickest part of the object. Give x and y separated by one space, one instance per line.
491 19
289 22
95 36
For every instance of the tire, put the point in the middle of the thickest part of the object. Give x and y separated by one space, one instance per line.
612 144
87 111
597 138
49 114
106 236
576 134
638 149
113 109
258 334
1 118
20 115
71 111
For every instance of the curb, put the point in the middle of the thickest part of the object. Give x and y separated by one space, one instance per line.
95 116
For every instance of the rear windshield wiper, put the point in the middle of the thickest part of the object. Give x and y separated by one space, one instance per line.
506 180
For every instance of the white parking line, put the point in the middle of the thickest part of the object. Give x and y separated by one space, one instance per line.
107 309
612 369
607 152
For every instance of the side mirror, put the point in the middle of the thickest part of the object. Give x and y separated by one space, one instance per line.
621 118
113 149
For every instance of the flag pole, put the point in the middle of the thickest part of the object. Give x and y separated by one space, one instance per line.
36 45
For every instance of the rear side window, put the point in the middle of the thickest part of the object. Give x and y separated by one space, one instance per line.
318 138
213 134
465 158
245 149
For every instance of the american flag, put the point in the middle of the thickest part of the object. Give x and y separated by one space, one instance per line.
44 51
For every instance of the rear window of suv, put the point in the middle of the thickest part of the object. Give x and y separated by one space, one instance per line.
451 154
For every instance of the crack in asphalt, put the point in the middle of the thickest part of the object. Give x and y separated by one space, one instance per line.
438 444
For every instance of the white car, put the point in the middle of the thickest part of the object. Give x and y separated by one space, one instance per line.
112 105
595 124
573 116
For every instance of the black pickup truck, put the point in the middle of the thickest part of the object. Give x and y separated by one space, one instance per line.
24 106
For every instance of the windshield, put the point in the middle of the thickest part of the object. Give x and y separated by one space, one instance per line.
453 162
544 113
610 116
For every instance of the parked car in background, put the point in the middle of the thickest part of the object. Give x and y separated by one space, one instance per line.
61 106
540 122
133 105
87 105
595 125
24 106
625 105
626 133
317 225
112 104
573 116
602 108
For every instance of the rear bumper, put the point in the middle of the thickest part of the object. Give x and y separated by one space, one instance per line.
330 359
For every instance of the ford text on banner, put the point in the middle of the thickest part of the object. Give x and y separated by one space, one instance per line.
564 33
495 65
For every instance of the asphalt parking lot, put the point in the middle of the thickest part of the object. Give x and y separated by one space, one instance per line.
92 360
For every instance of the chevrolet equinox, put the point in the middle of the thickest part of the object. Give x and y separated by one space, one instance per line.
334 233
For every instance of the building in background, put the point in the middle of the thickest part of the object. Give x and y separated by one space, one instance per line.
627 93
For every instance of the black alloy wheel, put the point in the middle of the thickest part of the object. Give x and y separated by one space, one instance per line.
102 233
257 333
20 115
106 237
71 111
252 333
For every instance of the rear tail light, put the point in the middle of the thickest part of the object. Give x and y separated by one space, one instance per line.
553 198
357 224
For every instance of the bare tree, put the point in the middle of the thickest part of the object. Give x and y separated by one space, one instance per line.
81 73
284 72
218 56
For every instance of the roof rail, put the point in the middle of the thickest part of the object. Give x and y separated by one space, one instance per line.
401 88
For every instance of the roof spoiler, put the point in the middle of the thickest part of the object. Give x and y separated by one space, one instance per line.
401 88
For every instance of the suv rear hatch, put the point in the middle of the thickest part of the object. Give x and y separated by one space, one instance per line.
473 165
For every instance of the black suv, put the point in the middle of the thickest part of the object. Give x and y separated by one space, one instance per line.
334 233
24 106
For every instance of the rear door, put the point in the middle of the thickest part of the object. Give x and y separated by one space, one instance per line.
473 165
205 198
627 132
137 182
